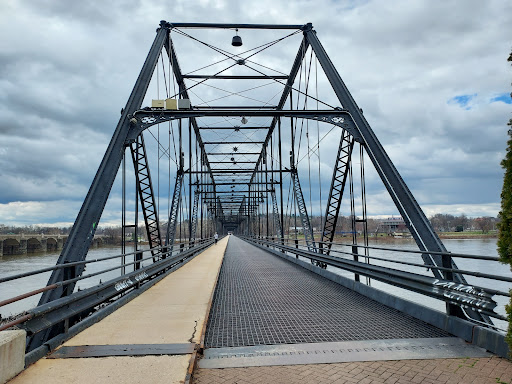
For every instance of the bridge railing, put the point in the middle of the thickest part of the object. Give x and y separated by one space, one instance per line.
400 270
135 269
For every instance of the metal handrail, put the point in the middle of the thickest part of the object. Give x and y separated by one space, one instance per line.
459 255
476 297
60 266
46 315
83 277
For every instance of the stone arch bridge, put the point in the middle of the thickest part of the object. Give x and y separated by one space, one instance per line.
30 243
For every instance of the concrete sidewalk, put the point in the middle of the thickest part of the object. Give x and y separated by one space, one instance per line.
171 312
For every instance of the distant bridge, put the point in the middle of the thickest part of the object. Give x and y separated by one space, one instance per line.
22 244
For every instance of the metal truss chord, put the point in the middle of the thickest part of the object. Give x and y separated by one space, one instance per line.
239 26
234 77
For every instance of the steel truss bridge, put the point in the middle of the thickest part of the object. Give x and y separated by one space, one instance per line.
242 146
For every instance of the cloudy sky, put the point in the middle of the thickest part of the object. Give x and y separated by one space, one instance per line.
431 77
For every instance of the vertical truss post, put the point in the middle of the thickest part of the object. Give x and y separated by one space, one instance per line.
280 150
190 238
275 209
418 224
301 204
353 224
146 194
339 179
174 211
193 228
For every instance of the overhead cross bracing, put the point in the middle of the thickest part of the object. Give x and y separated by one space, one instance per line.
266 122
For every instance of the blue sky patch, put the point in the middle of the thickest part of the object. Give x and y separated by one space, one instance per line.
462 100
504 98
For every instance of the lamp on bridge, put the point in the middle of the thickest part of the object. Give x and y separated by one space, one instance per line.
237 40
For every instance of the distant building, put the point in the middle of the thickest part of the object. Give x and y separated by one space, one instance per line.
391 225
298 229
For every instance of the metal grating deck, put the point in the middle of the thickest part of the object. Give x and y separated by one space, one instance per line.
261 299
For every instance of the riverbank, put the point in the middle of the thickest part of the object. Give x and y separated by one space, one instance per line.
468 235
442 235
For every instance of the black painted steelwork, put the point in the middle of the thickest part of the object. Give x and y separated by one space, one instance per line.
275 212
173 213
243 215
304 217
339 179
235 26
146 194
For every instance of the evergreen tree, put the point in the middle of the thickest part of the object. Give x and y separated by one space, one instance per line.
505 226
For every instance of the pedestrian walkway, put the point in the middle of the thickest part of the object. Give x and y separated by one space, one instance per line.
271 319
168 318
262 299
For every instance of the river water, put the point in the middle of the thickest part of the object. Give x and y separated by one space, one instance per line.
11 265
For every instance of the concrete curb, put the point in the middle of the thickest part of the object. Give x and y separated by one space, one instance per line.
12 354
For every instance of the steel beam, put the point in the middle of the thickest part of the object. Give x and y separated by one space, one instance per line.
231 142
231 128
231 162
231 153
239 191
217 171
148 117
235 26
234 77
207 107
238 183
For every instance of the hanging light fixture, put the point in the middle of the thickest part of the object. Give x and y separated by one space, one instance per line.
237 40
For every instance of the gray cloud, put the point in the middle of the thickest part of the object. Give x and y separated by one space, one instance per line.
67 68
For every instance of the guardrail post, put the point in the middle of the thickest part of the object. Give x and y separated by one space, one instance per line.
296 241
182 245
68 274
447 263
138 256
356 258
